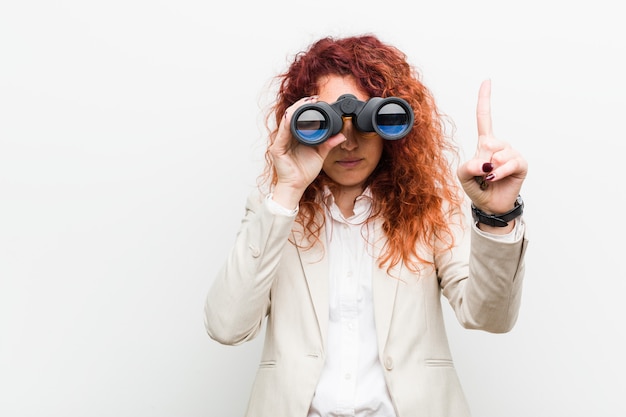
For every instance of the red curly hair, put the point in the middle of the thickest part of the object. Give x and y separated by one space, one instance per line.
414 188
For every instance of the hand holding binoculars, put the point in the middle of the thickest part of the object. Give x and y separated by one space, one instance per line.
391 118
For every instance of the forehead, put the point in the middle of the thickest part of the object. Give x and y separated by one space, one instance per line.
330 87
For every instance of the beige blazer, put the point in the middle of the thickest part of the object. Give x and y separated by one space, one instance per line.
267 278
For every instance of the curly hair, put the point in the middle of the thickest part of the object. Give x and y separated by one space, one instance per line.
414 189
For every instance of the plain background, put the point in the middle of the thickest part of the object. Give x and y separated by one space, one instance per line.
131 133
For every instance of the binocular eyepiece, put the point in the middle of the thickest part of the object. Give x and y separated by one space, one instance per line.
391 118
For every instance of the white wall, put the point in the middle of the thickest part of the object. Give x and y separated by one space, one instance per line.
130 136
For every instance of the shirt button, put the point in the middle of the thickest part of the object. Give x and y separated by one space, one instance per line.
388 363
347 376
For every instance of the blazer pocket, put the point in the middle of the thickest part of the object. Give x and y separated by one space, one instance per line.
440 363
267 364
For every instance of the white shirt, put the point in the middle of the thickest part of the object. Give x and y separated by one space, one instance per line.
352 381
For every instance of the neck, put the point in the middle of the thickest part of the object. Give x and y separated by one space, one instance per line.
345 198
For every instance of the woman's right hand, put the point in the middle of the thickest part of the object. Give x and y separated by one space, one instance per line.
297 165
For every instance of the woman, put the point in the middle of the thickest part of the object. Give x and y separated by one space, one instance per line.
346 251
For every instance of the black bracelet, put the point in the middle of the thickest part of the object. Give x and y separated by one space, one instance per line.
498 220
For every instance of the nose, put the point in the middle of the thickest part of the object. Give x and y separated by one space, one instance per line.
347 130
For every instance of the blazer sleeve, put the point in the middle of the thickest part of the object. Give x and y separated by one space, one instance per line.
485 293
239 297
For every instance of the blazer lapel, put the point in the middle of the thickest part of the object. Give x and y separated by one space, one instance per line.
316 271
384 289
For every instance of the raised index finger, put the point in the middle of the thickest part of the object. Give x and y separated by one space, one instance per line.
483 109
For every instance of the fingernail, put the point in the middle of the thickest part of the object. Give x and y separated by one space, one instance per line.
487 167
489 177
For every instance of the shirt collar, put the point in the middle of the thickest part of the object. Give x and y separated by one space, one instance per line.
362 207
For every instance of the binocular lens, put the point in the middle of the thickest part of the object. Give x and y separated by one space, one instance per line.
311 126
392 119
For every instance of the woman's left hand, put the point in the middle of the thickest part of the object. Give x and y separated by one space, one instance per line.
493 178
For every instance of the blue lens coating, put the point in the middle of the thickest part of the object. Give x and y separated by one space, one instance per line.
311 125
392 119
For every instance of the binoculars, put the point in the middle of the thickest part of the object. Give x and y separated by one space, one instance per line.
391 118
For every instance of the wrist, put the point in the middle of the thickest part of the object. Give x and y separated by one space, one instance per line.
498 220
287 196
